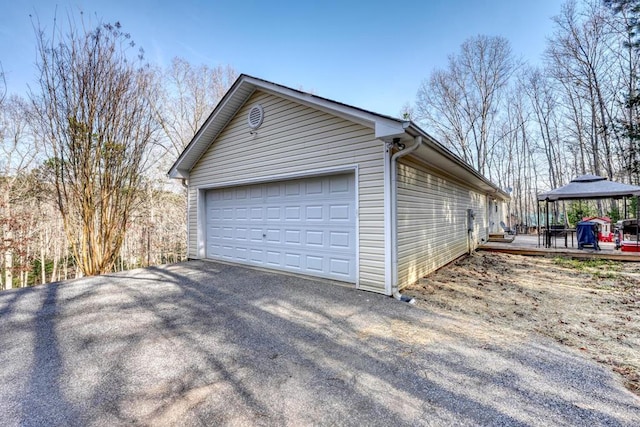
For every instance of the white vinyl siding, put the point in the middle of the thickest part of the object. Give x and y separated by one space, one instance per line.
432 221
293 139
497 211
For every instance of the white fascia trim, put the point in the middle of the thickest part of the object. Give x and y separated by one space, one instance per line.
178 174
284 176
384 127
390 129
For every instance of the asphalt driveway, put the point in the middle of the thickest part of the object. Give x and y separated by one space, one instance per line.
202 343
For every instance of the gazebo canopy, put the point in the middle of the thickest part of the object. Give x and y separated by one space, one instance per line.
590 187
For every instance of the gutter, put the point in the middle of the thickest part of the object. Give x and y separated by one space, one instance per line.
395 292
443 151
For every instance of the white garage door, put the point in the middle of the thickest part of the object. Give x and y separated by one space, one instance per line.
305 225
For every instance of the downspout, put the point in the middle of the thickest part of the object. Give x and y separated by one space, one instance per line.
395 292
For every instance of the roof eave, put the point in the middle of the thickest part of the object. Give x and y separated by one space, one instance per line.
481 182
385 128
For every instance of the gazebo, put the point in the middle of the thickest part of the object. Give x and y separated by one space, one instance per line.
586 187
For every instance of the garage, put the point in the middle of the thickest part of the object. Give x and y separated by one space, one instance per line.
302 225
283 179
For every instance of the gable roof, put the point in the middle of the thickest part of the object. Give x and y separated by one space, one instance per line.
385 128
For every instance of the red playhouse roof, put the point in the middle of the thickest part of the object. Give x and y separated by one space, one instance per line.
601 218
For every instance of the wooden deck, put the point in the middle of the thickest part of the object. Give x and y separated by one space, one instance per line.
526 244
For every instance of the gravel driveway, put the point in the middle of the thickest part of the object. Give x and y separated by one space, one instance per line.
202 343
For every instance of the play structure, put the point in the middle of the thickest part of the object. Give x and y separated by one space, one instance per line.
605 233
626 235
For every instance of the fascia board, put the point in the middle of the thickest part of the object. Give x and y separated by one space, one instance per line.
481 183
383 127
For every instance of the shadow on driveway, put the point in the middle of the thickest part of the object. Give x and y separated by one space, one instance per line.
202 343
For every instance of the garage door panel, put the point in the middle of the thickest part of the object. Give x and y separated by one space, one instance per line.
214 196
313 188
228 213
215 213
256 235
293 260
274 258
227 233
292 213
339 239
340 266
228 194
339 212
242 214
273 190
255 192
256 256
257 213
313 213
292 237
292 189
242 254
241 193
273 236
273 213
241 234
304 225
315 237
227 251
314 263
215 232
339 184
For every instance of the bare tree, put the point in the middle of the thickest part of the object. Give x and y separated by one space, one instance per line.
463 101
189 95
440 104
579 58
625 47
17 154
545 107
94 111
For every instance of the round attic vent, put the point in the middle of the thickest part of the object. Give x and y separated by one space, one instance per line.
256 116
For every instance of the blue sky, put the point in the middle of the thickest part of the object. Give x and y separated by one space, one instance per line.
371 54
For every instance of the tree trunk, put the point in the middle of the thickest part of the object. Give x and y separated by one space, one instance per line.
8 267
43 261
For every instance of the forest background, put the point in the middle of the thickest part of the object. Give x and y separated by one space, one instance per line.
84 154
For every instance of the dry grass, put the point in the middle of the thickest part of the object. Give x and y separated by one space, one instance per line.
593 306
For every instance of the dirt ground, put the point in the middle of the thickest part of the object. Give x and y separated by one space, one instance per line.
592 306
